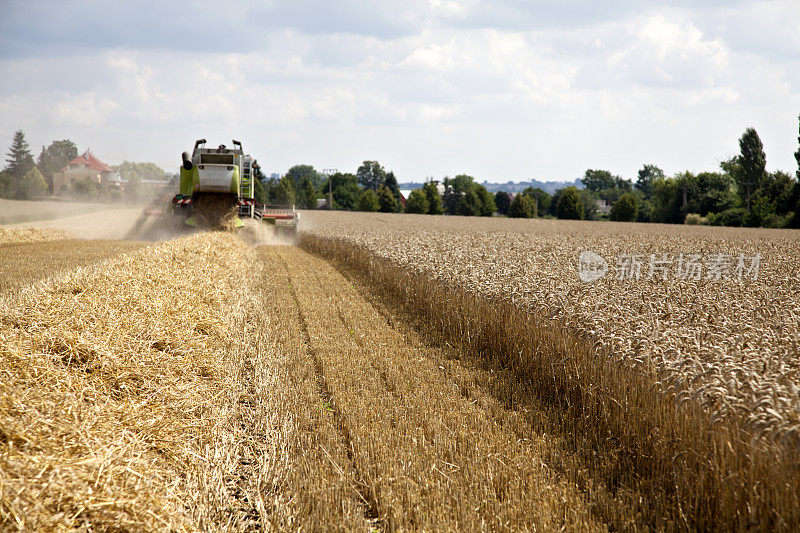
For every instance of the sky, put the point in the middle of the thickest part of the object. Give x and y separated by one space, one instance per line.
501 90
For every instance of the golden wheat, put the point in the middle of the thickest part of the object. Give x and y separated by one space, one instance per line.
110 375
9 235
734 345
424 455
695 381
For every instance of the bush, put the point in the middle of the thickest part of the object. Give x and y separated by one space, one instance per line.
502 202
8 186
570 205
645 212
693 219
417 202
369 201
777 221
387 201
31 185
730 217
626 209
85 188
522 206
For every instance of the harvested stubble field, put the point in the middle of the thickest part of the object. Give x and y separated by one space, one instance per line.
202 384
680 397
438 373
24 264
16 211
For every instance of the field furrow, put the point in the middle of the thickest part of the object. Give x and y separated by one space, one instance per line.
428 456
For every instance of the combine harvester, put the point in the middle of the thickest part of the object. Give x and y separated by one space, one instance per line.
217 188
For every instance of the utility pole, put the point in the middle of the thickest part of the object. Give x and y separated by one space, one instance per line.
330 172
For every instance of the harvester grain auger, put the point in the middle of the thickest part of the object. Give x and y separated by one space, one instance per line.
217 189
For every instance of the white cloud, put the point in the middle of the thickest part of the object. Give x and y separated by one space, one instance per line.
83 109
670 52
501 90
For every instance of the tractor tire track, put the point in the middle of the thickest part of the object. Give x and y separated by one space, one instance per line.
370 506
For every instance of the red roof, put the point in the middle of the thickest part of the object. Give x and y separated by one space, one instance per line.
89 159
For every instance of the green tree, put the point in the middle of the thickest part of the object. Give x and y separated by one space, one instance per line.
468 204
460 184
625 209
369 201
259 191
502 201
761 210
486 203
645 211
753 163
417 202
257 174
8 185
54 158
667 202
781 189
589 201
648 174
454 191
280 191
713 192
143 171
685 193
309 195
434 198
386 200
300 173
391 183
599 180
32 185
570 205
19 160
371 175
543 199
346 193
523 206
86 188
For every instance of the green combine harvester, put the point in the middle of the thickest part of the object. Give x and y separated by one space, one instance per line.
217 188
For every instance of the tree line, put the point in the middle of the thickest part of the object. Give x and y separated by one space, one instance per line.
740 193
26 178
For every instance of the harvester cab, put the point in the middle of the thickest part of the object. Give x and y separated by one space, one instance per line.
217 185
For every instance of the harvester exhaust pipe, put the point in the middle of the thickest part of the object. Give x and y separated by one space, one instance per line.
187 161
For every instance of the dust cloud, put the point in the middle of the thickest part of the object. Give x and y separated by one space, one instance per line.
144 223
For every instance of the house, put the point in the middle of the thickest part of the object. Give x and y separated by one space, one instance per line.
84 166
602 206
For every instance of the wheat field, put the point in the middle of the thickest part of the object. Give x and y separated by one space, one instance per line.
397 373
202 384
695 379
